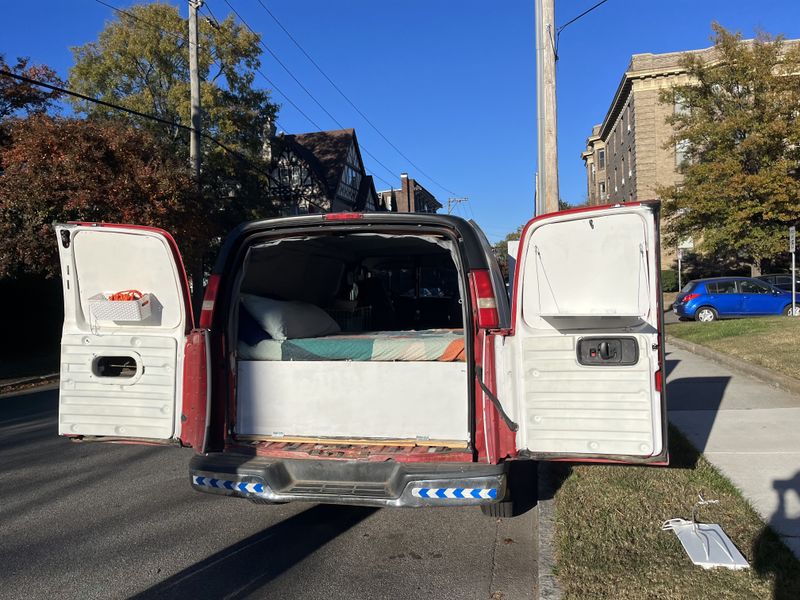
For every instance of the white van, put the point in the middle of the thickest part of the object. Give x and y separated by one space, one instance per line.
371 359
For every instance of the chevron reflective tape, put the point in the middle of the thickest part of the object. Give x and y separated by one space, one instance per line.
455 493
224 484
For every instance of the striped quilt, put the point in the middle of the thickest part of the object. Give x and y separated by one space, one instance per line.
431 344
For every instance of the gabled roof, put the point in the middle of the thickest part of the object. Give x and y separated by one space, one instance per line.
325 152
366 191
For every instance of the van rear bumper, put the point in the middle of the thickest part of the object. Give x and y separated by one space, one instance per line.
360 483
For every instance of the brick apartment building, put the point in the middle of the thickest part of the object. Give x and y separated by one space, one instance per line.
628 156
625 155
411 197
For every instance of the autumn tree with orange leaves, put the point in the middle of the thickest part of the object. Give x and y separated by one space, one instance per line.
59 169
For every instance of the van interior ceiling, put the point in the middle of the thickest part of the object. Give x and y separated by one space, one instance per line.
354 337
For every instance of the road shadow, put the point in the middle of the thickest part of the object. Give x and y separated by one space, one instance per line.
523 481
247 566
28 405
771 558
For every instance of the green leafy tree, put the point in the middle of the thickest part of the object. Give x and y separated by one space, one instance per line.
141 61
737 123
70 169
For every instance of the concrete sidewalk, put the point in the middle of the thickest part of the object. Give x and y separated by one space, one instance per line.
749 430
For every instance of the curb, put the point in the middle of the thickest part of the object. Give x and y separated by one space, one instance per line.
768 376
547 582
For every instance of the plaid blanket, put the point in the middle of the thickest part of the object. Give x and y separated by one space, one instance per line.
431 344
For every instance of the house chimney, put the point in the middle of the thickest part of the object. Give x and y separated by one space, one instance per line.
406 200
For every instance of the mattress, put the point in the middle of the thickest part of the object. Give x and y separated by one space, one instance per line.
446 345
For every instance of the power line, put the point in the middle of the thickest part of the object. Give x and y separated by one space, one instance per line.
350 102
305 89
310 120
210 12
222 68
571 21
583 14
131 111
215 23
285 68
183 38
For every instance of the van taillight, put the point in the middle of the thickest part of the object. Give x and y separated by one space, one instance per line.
342 216
658 380
207 311
484 298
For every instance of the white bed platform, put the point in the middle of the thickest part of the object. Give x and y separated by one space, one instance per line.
390 400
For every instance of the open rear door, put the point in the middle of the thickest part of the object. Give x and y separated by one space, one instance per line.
586 350
122 364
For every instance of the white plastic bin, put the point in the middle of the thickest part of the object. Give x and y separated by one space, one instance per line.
104 309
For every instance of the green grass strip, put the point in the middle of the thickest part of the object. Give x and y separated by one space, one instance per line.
609 542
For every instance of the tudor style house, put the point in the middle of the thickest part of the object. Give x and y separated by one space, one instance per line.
321 171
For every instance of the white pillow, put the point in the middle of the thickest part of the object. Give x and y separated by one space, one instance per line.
289 320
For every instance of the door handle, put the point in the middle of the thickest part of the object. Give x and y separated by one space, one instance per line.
612 351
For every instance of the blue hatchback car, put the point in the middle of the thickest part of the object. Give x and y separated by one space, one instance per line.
723 297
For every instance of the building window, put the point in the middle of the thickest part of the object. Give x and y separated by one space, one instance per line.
681 152
630 164
352 177
616 189
601 159
623 172
680 107
628 110
602 191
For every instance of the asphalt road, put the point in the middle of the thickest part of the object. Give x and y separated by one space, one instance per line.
88 520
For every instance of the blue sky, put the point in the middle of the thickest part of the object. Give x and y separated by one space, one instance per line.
452 84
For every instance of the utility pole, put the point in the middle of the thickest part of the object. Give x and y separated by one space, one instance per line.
197 269
547 167
452 202
194 88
